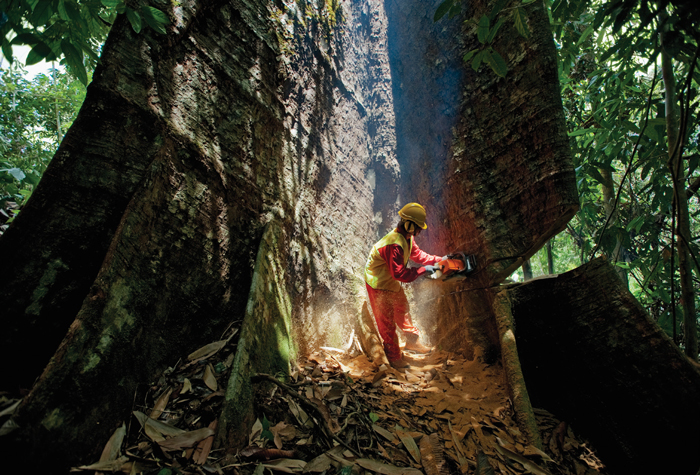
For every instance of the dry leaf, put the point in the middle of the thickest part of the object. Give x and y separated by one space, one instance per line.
282 432
458 446
8 427
186 386
188 439
255 432
301 416
530 466
384 433
386 469
8 411
107 466
209 378
207 351
114 444
318 465
161 403
201 453
156 430
285 465
410 445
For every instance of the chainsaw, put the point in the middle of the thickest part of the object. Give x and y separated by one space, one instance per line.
456 267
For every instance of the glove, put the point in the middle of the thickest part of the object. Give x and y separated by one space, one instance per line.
430 270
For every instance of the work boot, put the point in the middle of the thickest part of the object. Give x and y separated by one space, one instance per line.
412 344
399 364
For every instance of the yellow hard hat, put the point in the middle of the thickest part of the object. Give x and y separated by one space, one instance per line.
414 212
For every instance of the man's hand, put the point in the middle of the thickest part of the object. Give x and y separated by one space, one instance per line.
444 258
430 270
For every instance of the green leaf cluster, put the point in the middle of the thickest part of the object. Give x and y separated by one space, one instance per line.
613 95
30 114
69 31
487 30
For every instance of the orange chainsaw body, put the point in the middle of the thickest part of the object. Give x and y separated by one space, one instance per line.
450 266
457 266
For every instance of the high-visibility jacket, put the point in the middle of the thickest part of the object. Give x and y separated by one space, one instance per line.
386 264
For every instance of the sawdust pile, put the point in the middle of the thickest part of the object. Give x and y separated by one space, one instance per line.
342 415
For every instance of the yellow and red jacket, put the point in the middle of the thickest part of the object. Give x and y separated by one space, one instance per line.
386 264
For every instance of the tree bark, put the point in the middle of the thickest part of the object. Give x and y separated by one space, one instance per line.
591 355
682 232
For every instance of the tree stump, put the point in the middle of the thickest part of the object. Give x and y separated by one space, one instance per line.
593 357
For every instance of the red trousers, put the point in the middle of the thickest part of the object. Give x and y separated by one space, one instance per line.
390 309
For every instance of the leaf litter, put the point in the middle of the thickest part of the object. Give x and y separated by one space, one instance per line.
340 414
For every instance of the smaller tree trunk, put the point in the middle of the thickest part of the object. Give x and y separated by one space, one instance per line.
550 257
527 270
514 374
611 214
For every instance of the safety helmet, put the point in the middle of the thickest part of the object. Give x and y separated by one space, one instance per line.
415 213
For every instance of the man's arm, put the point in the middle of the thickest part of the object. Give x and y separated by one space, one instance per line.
423 258
393 256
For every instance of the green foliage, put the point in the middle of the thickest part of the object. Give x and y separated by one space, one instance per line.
486 34
614 101
29 128
70 29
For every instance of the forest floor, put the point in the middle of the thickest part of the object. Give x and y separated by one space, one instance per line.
341 415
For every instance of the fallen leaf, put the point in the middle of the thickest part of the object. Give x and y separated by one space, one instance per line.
255 431
410 445
161 403
114 444
155 429
458 446
8 411
318 465
209 377
386 469
384 433
188 439
530 466
186 386
107 466
285 465
207 351
203 449
379 375
282 432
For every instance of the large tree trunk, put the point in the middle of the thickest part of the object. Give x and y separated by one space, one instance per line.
591 355
507 184
145 230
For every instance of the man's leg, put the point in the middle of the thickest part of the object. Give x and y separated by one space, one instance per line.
382 307
402 318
